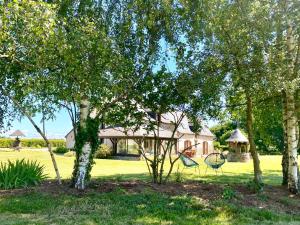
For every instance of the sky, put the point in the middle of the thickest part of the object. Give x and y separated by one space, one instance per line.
62 124
55 129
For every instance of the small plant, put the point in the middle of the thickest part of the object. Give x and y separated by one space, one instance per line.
178 176
262 197
70 154
103 152
256 188
20 174
228 193
61 150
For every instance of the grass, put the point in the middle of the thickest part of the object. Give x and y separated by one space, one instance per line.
122 169
144 207
119 207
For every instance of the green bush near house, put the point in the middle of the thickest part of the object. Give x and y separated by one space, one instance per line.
103 152
61 150
20 174
70 154
32 143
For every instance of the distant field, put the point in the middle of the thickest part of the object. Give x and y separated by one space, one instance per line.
123 169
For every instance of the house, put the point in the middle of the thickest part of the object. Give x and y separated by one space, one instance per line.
123 141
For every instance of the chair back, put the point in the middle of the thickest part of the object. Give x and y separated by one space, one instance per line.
188 162
215 160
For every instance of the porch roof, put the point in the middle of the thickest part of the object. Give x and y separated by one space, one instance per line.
120 132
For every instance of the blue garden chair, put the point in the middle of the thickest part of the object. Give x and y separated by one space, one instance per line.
189 163
215 161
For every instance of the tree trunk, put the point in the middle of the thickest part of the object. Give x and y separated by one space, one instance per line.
297 109
256 163
292 143
84 155
24 112
297 115
285 155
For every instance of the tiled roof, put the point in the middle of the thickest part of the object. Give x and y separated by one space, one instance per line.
17 133
117 132
237 136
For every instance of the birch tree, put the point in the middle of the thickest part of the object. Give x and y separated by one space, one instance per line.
284 60
25 27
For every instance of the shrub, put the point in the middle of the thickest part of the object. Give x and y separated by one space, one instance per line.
70 154
217 145
61 150
21 173
228 193
103 152
256 188
32 143
178 177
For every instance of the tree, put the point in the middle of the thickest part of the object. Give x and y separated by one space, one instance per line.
82 74
21 37
237 42
284 59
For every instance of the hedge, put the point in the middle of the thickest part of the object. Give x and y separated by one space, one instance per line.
32 143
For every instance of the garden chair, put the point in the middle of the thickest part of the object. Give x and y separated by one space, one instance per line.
189 163
215 161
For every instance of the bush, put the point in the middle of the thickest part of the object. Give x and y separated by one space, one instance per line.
32 143
21 173
228 193
61 150
217 145
256 188
103 152
70 154
178 177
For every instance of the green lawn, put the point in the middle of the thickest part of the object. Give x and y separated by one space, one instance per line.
146 206
233 172
120 207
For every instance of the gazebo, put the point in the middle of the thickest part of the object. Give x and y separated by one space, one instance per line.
238 144
17 133
17 143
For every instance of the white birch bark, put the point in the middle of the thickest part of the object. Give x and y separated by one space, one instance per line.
292 143
80 182
82 167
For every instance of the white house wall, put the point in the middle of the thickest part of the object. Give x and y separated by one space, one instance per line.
70 140
197 143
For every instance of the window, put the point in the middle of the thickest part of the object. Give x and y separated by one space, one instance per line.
187 144
205 148
127 146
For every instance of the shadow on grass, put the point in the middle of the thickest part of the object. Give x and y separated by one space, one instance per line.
120 207
124 177
270 177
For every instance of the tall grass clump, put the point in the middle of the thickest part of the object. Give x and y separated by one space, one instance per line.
20 174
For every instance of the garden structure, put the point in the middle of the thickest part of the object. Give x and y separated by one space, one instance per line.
17 143
238 146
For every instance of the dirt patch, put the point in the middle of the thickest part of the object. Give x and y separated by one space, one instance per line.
275 198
